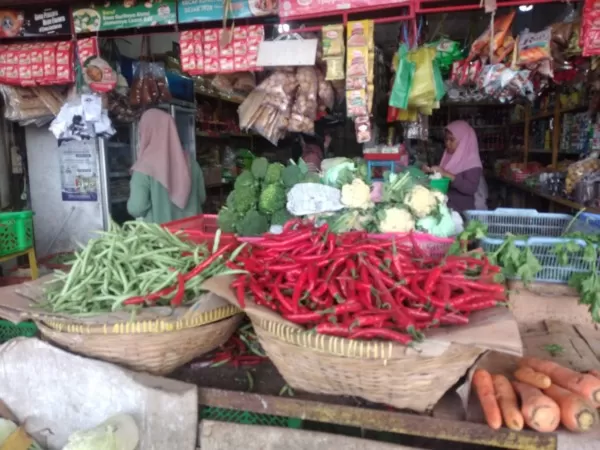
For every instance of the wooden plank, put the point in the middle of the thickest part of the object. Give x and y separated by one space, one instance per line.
591 337
224 436
559 327
575 354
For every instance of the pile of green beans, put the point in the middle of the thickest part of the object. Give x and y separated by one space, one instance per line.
133 260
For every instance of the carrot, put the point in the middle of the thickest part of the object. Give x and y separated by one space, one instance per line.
576 413
507 400
539 411
585 385
484 387
594 373
527 375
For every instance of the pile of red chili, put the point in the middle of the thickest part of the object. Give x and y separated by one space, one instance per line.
350 286
242 349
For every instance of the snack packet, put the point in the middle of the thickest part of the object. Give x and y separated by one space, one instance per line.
534 47
501 26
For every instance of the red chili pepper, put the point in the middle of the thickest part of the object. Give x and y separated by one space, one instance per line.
371 320
332 329
348 307
288 243
443 290
381 333
432 279
207 262
351 268
334 291
419 314
476 306
241 292
454 319
305 317
286 305
457 302
298 289
178 299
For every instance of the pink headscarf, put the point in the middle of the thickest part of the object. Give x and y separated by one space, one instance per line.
466 155
161 156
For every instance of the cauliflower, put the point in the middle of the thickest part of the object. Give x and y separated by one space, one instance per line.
421 201
442 226
356 195
441 198
396 220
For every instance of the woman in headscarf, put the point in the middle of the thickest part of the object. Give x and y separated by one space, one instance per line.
462 164
166 183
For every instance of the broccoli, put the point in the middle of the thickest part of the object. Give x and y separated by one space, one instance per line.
280 217
231 200
274 173
259 167
272 198
245 199
291 176
253 224
227 220
244 180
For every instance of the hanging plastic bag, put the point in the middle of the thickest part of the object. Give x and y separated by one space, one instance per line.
403 81
422 93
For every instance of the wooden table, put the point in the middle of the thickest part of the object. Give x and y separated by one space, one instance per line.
227 387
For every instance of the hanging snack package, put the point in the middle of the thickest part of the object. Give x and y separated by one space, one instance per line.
359 33
333 40
357 68
335 68
501 26
534 47
160 76
304 110
591 33
504 51
362 128
356 103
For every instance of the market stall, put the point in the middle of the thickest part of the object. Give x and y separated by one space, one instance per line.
351 271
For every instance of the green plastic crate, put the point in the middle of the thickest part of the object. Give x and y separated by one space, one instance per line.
9 330
248 418
16 232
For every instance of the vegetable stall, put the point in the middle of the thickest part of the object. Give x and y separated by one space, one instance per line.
333 284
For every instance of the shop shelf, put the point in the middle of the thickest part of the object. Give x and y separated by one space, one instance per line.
16 232
248 418
9 330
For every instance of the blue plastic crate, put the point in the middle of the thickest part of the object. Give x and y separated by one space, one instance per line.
543 249
587 223
521 222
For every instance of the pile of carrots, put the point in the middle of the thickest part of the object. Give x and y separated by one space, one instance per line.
549 395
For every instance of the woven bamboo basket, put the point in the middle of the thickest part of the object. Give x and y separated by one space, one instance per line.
377 371
154 346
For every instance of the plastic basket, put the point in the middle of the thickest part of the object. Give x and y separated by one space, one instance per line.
248 418
16 232
9 330
527 222
200 229
587 223
442 185
543 249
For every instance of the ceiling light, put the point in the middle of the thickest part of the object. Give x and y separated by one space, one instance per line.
283 27
525 8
